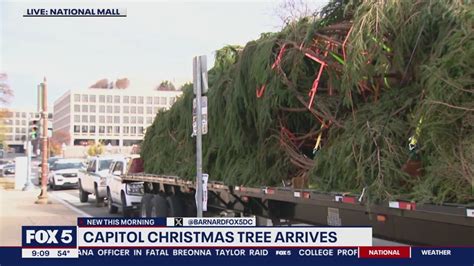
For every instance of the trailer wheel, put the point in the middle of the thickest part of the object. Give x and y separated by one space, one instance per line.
159 207
190 208
112 208
176 208
145 206
98 200
83 196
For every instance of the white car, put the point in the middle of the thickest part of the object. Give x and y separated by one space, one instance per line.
126 196
64 173
94 179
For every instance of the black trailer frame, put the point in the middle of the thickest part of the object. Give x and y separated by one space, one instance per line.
400 221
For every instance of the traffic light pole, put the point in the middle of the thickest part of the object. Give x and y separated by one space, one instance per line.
43 197
28 184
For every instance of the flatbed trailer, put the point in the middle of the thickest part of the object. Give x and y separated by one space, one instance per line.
400 221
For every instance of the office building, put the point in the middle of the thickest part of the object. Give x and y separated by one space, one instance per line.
115 116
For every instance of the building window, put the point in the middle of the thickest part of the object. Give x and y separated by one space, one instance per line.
23 130
117 130
149 100
140 99
85 129
109 130
133 120
117 109
92 129
101 129
156 100
85 119
77 97
155 109
109 119
23 122
77 108
140 120
101 119
85 108
133 110
126 130
85 99
17 130
133 99
77 129
125 120
102 98
92 108
109 98
23 115
117 119
109 109
126 109
140 110
149 120
77 118
116 99
101 109
162 100
140 130
125 99
92 98
92 119
133 130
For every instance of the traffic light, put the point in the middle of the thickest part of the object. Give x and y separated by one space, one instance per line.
34 129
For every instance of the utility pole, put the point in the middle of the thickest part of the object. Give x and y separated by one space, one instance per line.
197 88
43 197
28 184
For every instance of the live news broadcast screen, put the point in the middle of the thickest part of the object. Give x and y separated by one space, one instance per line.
282 132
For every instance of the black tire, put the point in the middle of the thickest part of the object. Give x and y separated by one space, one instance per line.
176 206
54 187
83 196
145 206
190 207
112 208
159 206
127 212
98 200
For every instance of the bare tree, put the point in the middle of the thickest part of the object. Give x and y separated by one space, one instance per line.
293 10
5 91
166 85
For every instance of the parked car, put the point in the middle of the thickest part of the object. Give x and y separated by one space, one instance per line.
126 196
9 169
6 164
64 173
93 180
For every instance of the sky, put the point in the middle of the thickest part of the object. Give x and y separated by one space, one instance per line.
155 42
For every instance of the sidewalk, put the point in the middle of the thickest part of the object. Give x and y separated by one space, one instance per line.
18 208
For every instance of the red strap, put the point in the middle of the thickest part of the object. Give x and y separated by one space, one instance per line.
314 88
261 91
279 57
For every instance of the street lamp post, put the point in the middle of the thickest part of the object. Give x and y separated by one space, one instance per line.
43 197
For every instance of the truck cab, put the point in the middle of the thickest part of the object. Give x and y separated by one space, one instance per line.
120 194
93 180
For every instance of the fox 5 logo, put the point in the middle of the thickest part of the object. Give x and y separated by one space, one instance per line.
49 236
